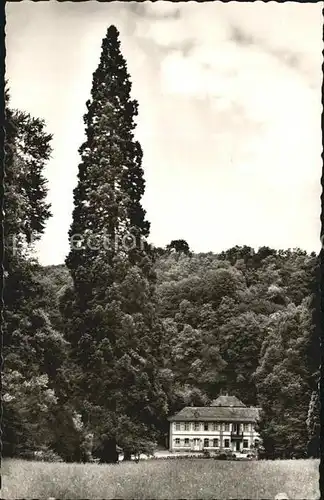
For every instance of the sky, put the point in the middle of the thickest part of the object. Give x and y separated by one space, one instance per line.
229 113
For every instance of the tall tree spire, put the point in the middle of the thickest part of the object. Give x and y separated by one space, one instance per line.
111 184
110 313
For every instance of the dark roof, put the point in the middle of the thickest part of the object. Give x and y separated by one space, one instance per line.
227 401
217 413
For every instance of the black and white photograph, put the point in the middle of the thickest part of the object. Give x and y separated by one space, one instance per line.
162 250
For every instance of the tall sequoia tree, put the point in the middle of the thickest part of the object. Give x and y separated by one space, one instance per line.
109 311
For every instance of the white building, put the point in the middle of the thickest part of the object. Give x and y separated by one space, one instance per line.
227 424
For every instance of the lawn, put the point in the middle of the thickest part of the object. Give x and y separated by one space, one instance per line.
161 479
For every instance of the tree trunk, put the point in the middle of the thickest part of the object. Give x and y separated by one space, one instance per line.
127 455
108 452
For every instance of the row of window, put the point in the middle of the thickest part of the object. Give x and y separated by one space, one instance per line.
208 443
211 426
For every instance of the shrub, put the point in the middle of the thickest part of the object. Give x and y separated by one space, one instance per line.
47 455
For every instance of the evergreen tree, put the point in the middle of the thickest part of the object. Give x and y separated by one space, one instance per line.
110 311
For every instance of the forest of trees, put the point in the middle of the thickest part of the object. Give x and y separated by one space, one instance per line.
100 350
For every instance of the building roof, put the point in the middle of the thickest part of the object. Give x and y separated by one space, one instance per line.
217 413
232 401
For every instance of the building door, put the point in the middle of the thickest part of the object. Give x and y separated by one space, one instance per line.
237 446
196 444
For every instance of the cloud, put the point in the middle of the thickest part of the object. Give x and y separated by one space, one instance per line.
158 10
288 31
240 37
288 57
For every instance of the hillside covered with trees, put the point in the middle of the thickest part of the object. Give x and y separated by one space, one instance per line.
241 322
101 349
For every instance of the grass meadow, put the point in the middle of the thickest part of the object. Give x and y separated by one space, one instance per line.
161 479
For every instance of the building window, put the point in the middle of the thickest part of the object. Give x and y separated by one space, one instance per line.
215 443
187 426
196 426
226 443
206 427
246 427
227 427
186 442
206 443
177 426
245 443
177 441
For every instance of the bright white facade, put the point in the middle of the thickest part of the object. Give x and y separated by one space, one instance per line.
226 425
